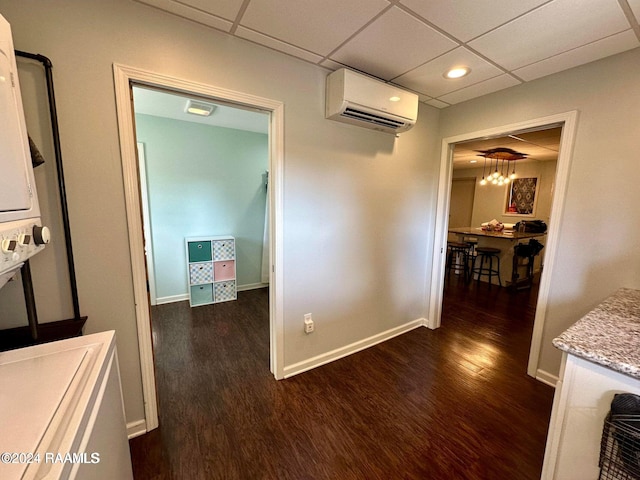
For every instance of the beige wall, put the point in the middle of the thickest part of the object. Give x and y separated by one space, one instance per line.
489 200
600 231
358 204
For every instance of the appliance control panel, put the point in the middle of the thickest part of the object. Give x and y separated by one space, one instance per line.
21 240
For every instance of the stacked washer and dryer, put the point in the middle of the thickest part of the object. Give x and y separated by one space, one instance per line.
61 407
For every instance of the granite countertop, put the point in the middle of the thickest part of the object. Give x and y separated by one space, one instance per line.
609 334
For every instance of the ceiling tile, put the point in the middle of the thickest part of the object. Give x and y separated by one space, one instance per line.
316 26
429 80
552 29
223 8
412 42
479 89
190 13
579 56
466 19
277 45
400 42
437 103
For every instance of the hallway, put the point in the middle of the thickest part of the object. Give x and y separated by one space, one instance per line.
454 403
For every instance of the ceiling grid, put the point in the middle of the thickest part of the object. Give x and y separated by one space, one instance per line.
411 43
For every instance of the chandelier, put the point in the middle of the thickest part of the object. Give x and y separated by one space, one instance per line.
498 174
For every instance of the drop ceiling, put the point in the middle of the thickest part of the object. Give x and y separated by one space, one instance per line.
411 43
540 145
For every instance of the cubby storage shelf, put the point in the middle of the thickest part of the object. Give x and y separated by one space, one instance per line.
211 269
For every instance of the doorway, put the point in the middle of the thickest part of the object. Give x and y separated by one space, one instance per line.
462 195
126 77
201 174
567 121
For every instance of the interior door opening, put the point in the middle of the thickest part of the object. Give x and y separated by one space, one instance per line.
564 127
125 79
213 167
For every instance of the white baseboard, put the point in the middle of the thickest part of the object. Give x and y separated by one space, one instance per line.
172 298
342 352
185 296
547 378
136 428
251 286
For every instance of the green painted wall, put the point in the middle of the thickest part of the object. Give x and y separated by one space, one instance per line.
203 180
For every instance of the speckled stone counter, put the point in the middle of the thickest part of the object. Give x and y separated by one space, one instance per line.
609 334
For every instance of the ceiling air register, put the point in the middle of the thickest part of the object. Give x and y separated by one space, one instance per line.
360 100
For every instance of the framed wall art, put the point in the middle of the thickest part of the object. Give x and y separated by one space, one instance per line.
522 196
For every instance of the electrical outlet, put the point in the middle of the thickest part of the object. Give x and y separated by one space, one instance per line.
308 323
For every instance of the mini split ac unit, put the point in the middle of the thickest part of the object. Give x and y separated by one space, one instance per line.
360 100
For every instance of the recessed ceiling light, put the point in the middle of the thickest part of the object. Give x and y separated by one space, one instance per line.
203 109
473 161
394 99
457 72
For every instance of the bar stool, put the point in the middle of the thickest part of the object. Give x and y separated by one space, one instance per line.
473 242
487 254
458 259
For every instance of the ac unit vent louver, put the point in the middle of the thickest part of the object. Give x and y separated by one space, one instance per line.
364 101
375 119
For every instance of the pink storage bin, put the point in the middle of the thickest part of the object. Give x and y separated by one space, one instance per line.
224 270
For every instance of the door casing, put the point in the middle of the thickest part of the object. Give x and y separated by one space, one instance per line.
568 121
124 78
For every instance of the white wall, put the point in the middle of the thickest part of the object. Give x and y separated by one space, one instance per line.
358 204
600 230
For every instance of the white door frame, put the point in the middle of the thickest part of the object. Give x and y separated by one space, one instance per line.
568 120
146 223
124 77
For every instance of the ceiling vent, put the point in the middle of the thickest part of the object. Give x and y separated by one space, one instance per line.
360 100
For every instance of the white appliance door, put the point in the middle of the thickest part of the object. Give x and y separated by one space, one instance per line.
14 178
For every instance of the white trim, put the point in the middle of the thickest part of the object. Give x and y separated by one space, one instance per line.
431 324
568 121
136 428
146 222
553 235
355 347
547 378
185 296
124 76
251 286
172 299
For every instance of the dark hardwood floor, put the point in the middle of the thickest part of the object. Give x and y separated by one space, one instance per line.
454 403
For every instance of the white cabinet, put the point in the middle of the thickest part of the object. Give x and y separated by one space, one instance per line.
61 411
582 400
211 269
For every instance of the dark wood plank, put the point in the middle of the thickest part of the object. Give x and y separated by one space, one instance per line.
454 403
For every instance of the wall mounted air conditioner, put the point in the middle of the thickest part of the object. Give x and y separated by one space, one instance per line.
360 100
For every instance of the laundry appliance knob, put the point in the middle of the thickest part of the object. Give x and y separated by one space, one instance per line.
41 235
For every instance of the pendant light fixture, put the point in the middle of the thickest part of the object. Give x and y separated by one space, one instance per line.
500 175
484 181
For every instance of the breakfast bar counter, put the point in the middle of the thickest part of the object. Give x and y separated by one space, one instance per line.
504 240
601 357
502 235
